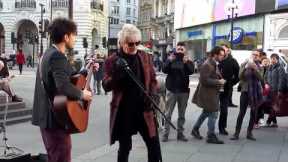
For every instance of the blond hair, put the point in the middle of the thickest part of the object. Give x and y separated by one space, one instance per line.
128 31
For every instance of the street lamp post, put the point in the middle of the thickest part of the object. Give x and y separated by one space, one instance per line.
232 9
109 30
41 31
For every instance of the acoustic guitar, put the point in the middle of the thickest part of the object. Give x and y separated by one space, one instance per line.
73 115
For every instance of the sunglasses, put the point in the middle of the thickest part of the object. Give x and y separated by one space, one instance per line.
132 44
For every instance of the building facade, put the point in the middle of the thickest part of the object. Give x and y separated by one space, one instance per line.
145 17
120 13
19 24
163 34
255 24
276 35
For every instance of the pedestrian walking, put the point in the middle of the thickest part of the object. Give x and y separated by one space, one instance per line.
206 95
20 59
98 75
29 61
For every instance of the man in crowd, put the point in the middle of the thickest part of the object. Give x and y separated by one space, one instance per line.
131 111
251 80
178 67
230 70
53 77
206 95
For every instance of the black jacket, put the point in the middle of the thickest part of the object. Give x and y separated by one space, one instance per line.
229 68
177 80
56 73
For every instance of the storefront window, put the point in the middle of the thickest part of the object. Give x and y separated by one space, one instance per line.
249 42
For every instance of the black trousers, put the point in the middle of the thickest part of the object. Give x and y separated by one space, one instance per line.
20 68
224 101
230 93
152 144
244 101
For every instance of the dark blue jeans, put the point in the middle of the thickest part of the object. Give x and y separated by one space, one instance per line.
212 117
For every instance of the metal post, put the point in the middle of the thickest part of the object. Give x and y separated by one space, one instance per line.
108 45
232 26
70 13
41 30
51 10
33 54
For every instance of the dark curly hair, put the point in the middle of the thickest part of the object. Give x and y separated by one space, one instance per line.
216 51
59 28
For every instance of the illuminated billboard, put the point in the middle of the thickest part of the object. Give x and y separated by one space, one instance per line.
193 12
281 4
244 8
196 12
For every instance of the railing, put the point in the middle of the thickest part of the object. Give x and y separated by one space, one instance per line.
60 4
25 4
96 5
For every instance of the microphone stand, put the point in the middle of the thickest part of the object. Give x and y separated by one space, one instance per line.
139 84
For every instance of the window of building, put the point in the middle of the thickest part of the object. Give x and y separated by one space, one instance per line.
115 10
128 11
134 12
128 1
114 21
128 21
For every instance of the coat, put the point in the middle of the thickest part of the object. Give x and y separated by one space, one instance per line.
243 80
229 68
56 73
274 77
110 85
206 95
20 58
178 72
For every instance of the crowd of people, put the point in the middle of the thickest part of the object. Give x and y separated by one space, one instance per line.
130 76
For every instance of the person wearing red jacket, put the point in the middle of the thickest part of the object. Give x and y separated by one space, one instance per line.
20 59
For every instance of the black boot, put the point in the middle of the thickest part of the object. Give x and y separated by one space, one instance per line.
223 132
212 138
250 136
195 133
181 137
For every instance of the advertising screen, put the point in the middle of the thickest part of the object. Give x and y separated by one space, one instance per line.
193 12
196 12
263 6
245 7
281 4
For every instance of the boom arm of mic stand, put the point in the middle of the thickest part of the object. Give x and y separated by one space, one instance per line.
155 106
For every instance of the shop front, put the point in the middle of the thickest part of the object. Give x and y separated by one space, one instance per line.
198 40
247 33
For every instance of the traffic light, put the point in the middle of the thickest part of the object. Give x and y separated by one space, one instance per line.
40 26
13 38
85 43
46 25
104 43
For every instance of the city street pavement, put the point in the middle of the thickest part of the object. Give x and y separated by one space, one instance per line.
93 145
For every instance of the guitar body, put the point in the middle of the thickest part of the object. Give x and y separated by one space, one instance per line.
73 115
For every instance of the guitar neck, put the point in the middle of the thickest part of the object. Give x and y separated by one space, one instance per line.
88 78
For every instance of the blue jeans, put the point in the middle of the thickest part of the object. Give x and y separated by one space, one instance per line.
212 117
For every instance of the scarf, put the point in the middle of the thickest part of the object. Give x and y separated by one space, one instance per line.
254 88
